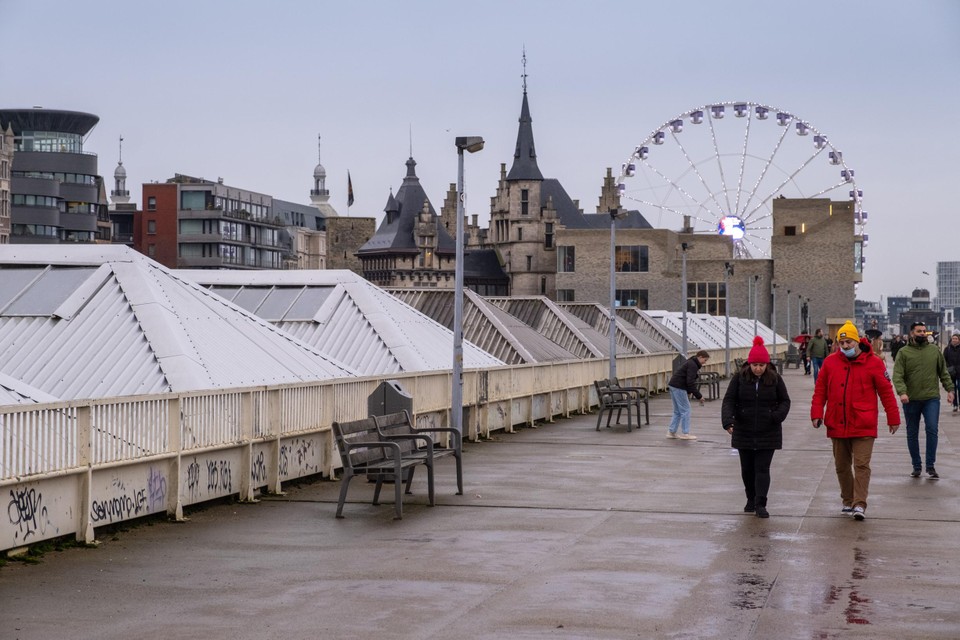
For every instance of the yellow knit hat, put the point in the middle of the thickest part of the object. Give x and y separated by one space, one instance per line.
848 332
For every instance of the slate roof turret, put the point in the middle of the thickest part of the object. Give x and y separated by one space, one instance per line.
525 157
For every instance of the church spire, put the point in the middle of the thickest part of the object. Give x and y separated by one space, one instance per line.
525 157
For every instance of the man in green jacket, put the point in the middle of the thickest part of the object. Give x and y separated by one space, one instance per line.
817 349
916 373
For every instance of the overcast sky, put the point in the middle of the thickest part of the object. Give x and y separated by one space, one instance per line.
240 89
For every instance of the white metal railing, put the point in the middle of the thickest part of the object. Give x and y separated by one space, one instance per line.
113 459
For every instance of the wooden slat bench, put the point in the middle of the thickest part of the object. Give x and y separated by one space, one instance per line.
399 427
611 400
364 452
640 396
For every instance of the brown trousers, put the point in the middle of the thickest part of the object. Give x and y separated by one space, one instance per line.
852 459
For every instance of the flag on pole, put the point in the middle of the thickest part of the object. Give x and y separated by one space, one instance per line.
349 191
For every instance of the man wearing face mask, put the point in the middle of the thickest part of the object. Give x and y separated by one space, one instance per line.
849 383
916 373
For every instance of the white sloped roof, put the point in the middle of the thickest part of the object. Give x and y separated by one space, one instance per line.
705 331
15 392
344 316
100 321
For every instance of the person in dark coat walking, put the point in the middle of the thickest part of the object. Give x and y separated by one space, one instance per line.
951 354
754 408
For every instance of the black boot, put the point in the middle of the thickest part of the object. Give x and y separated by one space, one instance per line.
761 508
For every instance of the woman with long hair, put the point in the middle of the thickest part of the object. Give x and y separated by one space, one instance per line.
754 408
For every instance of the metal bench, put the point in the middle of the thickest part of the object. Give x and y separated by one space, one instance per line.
400 427
639 394
364 452
710 380
611 400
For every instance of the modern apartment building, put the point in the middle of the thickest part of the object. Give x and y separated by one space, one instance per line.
6 162
56 193
190 222
948 285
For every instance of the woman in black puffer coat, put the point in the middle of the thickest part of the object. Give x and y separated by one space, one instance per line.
754 408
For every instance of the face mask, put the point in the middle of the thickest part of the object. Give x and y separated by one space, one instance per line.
851 352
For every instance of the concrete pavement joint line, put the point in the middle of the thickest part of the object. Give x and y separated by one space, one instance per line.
520 576
734 513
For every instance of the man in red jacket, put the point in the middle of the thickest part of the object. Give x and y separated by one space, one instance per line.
849 383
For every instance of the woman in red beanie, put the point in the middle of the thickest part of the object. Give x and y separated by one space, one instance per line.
754 408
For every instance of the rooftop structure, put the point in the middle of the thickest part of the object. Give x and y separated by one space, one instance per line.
344 316
104 321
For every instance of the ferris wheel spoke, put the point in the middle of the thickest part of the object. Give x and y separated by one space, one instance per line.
666 208
786 181
716 151
678 188
829 189
743 163
693 166
763 173
746 239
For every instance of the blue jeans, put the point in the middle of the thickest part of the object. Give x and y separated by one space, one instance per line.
817 363
930 410
681 410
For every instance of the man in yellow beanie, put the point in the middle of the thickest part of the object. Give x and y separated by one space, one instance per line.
849 384
848 332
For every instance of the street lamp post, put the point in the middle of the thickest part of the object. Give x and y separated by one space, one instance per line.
727 272
756 290
613 294
788 318
471 144
773 317
683 293
800 327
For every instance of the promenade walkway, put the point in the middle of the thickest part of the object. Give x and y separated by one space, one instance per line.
563 532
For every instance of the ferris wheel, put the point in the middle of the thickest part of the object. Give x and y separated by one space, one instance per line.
723 164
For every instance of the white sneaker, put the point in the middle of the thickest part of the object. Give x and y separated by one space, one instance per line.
672 434
859 513
687 436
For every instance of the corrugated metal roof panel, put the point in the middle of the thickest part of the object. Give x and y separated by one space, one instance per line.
133 328
350 319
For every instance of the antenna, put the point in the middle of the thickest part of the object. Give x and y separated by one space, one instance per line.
524 75
318 149
411 140
120 161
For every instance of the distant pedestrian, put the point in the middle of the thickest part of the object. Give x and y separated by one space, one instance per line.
849 384
753 411
804 359
817 350
895 344
919 371
951 354
681 386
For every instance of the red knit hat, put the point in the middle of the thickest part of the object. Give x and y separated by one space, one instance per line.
758 353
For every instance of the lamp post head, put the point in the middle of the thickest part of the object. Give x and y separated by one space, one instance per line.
471 144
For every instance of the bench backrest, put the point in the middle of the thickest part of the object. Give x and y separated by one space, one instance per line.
397 424
357 431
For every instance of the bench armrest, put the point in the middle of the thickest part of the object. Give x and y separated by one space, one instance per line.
394 448
455 435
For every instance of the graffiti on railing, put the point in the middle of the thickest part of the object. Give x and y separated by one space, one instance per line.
193 479
156 489
219 476
258 470
26 512
302 454
127 504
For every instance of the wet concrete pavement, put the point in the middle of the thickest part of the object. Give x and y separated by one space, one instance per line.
563 532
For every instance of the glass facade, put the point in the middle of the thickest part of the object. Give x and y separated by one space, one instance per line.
49 141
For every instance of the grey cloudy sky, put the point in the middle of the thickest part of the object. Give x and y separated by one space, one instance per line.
240 89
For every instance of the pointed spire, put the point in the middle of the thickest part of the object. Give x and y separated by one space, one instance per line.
525 157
